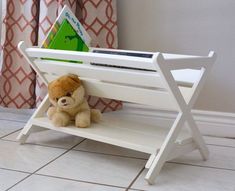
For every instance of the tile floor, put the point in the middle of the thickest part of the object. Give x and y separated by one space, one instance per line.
52 161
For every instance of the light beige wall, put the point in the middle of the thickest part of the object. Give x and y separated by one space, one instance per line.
190 27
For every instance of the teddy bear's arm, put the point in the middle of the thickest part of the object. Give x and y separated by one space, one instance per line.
51 111
83 118
61 119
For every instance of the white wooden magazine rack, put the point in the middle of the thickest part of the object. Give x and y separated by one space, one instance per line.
159 86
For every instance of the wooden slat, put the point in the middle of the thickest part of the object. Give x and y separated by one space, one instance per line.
152 97
191 63
116 75
174 62
165 55
184 78
89 57
196 62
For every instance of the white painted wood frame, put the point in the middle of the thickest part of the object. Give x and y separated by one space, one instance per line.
162 86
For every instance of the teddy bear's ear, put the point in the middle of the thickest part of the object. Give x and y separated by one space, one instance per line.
74 77
49 85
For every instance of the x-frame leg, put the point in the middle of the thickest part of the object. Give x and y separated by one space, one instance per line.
40 111
29 127
183 116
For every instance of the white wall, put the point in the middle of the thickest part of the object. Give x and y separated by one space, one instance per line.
190 27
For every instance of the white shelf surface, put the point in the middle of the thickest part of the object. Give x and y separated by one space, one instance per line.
126 130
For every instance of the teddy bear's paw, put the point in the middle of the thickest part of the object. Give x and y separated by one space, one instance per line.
82 123
60 119
96 115
50 112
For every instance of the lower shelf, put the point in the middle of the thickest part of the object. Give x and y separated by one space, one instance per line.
125 130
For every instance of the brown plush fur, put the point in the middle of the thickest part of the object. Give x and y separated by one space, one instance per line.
67 97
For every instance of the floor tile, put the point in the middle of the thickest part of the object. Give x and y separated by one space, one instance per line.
174 177
220 157
220 141
9 178
39 183
94 146
49 138
98 168
27 158
17 115
7 127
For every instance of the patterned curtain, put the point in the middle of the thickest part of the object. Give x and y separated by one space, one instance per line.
30 20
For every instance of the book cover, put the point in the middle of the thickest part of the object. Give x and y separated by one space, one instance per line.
66 38
67 14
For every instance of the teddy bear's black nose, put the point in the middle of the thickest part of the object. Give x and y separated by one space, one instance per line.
63 100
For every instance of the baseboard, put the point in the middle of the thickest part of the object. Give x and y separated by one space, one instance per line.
211 123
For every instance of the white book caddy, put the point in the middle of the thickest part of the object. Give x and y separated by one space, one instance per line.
161 87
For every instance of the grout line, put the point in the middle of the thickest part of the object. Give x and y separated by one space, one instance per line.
115 155
18 182
10 133
8 169
123 156
75 180
14 111
59 156
133 181
12 120
135 189
78 150
72 148
45 165
218 137
232 138
220 145
201 166
210 144
41 145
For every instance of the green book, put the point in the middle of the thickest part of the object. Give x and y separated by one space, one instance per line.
67 38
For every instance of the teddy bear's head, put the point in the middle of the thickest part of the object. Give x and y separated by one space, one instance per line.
66 92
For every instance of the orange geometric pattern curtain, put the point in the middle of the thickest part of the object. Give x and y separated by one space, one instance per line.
30 20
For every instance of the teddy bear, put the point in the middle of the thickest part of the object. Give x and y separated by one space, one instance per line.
67 96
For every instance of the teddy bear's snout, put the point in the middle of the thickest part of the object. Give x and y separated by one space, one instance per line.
63 101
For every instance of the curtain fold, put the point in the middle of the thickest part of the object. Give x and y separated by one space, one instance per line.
17 79
49 10
30 20
99 18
